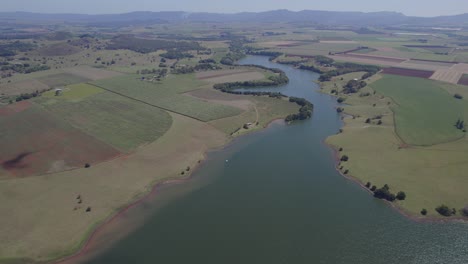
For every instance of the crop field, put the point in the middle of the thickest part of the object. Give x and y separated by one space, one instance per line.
74 92
425 114
26 86
61 79
168 95
408 72
447 76
120 122
91 73
36 142
463 80
364 60
223 76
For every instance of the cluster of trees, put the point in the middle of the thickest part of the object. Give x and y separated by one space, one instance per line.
385 194
26 96
176 55
198 67
353 86
236 51
160 72
305 111
272 54
323 60
444 210
310 68
150 45
348 67
11 48
207 61
24 68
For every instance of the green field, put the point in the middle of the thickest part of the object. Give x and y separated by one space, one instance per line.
430 175
168 95
425 114
61 79
113 119
74 92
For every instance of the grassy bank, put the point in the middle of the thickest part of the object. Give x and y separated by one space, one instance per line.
429 175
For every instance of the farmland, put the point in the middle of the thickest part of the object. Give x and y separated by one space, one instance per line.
115 120
418 116
168 95
416 169
408 72
37 142
135 107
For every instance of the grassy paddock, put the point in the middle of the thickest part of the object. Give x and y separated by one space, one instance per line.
168 95
425 113
430 175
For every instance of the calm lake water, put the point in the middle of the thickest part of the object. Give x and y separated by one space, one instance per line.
279 199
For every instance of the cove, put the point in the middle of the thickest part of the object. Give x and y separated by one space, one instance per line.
275 197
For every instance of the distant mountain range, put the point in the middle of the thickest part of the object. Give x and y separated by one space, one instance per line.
306 16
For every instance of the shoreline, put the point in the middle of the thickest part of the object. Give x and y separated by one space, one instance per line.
153 190
394 206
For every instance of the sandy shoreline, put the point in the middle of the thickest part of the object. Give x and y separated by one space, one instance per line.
86 248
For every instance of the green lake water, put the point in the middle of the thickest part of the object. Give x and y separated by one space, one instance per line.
275 197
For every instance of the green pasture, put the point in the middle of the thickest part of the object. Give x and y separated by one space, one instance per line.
167 94
425 114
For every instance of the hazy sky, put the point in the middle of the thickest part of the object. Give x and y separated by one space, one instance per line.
408 7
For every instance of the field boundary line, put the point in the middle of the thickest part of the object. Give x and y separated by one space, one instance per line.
146 103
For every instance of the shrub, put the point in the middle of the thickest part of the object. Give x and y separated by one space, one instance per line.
458 96
465 210
87 165
401 196
384 193
373 188
424 211
444 210
344 158
368 184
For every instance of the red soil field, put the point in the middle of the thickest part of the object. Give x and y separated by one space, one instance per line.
14 108
463 80
408 72
35 142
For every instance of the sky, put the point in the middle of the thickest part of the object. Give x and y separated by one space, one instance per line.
408 7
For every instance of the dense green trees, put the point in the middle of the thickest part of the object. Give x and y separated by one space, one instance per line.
353 86
444 210
305 111
384 193
401 196
151 45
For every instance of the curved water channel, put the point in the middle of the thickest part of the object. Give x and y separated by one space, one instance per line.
279 199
